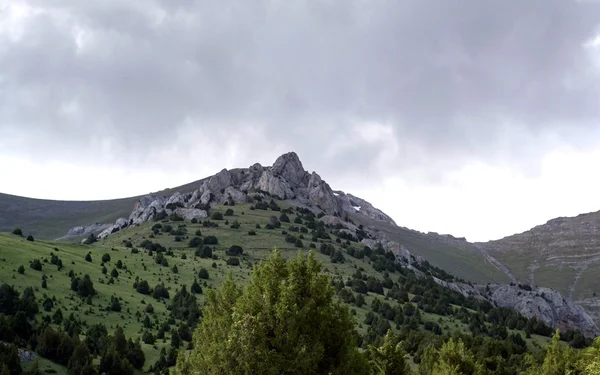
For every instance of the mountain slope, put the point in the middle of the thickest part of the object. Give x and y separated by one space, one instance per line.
563 254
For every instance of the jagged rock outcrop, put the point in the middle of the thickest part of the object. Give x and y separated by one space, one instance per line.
117 226
321 194
145 208
84 231
290 168
274 185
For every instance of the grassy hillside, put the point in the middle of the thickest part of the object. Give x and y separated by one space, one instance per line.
141 265
50 219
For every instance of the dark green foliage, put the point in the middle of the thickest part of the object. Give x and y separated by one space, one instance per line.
91 239
175 269
36 265
185 307
83 287
106 258
30 238
228 212
17 232
195 242
204 252
252 233
196 288
88 257
203 273
142 287
148 338
21 269
216 215
115 305
198 233
210 240
160 292
235 225
233 261
9 359
234 250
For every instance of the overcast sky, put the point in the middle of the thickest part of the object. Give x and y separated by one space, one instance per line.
476 118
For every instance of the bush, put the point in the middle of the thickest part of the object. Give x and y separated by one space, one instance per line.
210 240
36 265
233 261
148 338
199 233
216 216
88 257
143 287
17 232
251 233
30 238
203 274
235 225
205 252
21 269
106 258
195 242
229 212
284 218
234 250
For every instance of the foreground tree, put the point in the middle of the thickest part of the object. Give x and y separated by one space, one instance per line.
285 322
389 358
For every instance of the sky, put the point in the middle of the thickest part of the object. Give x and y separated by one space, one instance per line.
475 118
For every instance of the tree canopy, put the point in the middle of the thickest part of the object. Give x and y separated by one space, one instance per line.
286 321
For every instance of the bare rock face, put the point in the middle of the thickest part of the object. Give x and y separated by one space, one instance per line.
320 194
191 213
233 193
145 208
546 304
119 224
84 231
176 199
275 185
219 181
290 168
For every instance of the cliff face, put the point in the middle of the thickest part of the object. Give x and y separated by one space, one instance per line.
563 254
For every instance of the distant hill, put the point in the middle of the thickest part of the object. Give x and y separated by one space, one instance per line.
563 254
51 219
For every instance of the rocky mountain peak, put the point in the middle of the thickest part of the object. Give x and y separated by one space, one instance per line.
290 168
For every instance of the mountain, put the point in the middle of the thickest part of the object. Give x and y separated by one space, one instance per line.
563 254
135 265
354 219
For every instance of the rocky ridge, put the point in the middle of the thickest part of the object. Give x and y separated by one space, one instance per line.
286 180
546 304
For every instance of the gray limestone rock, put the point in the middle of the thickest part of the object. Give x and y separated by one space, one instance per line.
319 193
274 185
84 231
290 168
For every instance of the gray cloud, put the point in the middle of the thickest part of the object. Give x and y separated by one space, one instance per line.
456 80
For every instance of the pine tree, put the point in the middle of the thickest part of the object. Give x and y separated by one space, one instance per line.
389 358
285 321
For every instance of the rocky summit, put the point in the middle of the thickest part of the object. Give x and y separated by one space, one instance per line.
288 181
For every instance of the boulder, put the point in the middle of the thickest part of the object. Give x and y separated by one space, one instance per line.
176 199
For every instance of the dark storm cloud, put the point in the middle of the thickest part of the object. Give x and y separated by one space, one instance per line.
456 80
